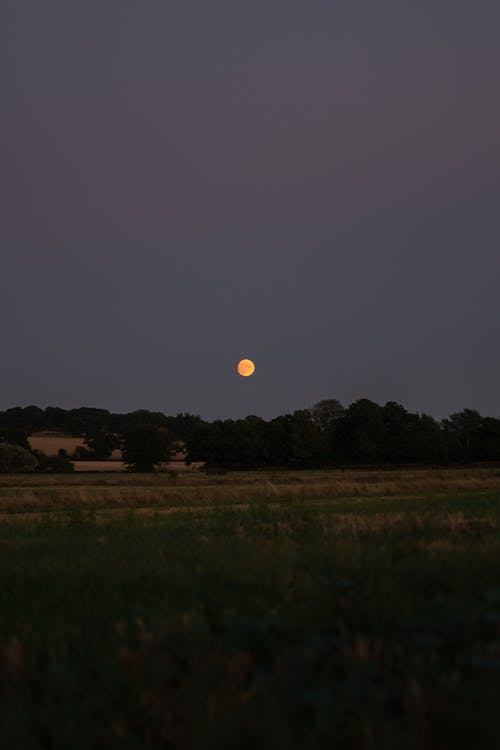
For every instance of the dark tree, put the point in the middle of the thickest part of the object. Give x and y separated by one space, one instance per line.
362 433
101 444
295 441
60 464
122 423
490 439
15 437
86 419
398 433
29 419
182 426
145 446
464 435
226 444
326 414
327 417
427 442
14 459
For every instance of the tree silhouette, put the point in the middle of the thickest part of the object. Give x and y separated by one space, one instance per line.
144 447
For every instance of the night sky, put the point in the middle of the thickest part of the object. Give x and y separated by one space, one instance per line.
314 185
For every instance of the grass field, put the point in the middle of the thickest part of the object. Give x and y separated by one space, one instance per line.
52 444
266 610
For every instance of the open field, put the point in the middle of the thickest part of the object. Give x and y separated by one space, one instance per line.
179 490
270 610
115 465
52 444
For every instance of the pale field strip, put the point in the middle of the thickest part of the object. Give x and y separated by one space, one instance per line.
151 492
109 466
52 444
99 466
336 480
353 524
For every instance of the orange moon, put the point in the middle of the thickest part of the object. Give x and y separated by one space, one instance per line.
246 368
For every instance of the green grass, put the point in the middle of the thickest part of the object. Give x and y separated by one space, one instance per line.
347 623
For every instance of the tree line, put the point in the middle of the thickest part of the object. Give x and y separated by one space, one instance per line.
86 420
330 435
327 434
146 439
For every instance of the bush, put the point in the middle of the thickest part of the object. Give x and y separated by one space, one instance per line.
83 454
60 464
14 459
15 437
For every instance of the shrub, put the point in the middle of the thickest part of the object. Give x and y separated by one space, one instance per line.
14 459
60 464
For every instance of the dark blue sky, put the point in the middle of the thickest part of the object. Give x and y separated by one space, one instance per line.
314 185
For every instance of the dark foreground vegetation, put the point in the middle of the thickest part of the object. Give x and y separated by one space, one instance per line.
285 610
325 435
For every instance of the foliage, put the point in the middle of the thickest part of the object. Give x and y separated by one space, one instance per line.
86 420
326 414
14 459
101 444
465 435
81 453
60 464
145 447
327 435
292 440
15 436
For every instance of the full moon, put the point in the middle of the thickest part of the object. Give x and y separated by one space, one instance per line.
246 368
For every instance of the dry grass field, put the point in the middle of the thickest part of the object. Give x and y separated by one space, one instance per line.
115 465
179 490
100 466
276 610
51 445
